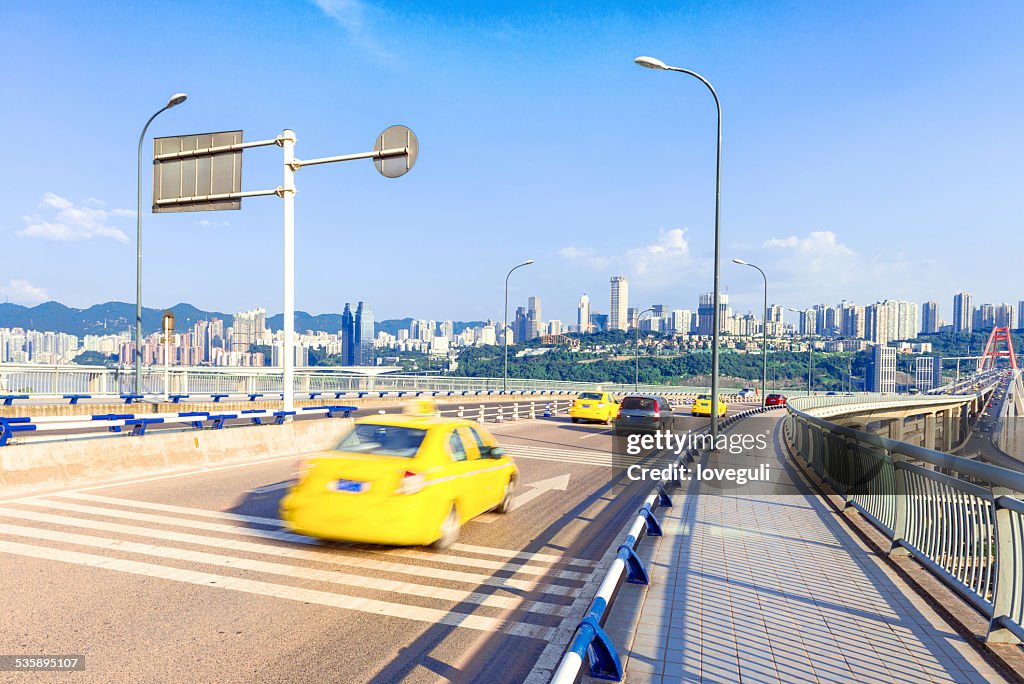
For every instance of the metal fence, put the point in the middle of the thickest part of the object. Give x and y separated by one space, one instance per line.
60 380
961 519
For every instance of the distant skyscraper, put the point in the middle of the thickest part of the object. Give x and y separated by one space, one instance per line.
583 314
876 323
1004 316
618 319
882 375
365 355
535 321
963 313
984 317
927 372
521 326
853 322
348 337
706 310
930 317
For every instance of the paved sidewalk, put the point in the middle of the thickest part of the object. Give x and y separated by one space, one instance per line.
749 587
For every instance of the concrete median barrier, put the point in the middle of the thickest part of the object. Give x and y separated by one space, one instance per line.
51 464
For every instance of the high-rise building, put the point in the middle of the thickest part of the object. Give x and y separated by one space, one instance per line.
248 328
809 322
348 337
365 355
1004 316
554 327
583 314
882 373
598 321
521 326
535 322
984 317
876 323
927 372
930 317
618 319
963 313
706 310
681 321
853 322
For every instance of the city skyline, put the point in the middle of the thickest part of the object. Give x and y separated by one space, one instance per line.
820 188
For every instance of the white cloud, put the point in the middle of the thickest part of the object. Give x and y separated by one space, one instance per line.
67 222
576 252
660 262
356 17
23 292
206 223
818 252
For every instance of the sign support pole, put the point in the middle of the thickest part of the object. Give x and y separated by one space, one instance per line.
288 195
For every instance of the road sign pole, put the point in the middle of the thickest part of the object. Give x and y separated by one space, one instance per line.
288 195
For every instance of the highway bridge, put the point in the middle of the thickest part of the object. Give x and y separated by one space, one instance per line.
871 555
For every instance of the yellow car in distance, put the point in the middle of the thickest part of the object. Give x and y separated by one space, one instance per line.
401 480
702 406
599 406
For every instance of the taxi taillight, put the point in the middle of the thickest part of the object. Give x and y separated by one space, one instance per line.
410 483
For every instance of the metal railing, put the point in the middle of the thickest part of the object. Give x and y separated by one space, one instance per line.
71 379
961 519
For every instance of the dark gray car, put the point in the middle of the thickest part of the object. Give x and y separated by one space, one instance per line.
644 413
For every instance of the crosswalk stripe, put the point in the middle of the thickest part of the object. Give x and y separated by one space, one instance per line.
516 568
522 555
322 556
168 508
267 567
324 598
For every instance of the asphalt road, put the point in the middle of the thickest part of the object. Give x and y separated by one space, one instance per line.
189 577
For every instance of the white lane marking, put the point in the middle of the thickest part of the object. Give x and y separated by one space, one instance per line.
540 557
481 563
595 434
324 598
270 568
523 555
321 556
272 488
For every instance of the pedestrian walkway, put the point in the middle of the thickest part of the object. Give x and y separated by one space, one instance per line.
753 587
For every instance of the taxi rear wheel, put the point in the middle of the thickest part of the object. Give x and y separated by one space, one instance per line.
575 420
450 527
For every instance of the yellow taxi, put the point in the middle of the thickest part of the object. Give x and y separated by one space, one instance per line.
702 406
599 406
401 480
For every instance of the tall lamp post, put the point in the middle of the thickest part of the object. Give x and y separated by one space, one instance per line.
764 340
504 328
636 350
652 63
175 100
810 350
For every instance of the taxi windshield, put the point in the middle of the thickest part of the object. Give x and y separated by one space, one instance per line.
383 440
704 397
593 396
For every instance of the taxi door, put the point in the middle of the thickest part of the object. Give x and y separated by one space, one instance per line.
464 471
489 474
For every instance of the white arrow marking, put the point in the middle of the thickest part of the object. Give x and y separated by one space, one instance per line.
559 483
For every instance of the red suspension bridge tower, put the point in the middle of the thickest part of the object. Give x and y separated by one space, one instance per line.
988 360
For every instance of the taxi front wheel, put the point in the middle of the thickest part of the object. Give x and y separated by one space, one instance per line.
450 527
507 501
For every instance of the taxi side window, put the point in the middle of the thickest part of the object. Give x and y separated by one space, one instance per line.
479 440
456 448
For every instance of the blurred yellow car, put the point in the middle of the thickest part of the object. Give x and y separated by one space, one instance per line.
702 406
401 480
599 406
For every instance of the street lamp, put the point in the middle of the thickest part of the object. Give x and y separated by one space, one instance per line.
652 63
504 328
636 350
810 349
764 342
175 100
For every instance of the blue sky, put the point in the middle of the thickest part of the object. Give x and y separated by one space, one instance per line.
871 150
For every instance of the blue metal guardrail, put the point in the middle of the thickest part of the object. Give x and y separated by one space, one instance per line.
118 422
217 397
591 643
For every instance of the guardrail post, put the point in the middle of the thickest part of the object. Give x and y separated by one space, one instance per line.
1009 581
462 411
480 418
902 510
501 415
515 410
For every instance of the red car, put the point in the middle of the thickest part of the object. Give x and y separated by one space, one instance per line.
775 400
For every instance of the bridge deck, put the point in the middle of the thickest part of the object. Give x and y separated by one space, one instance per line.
772 587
